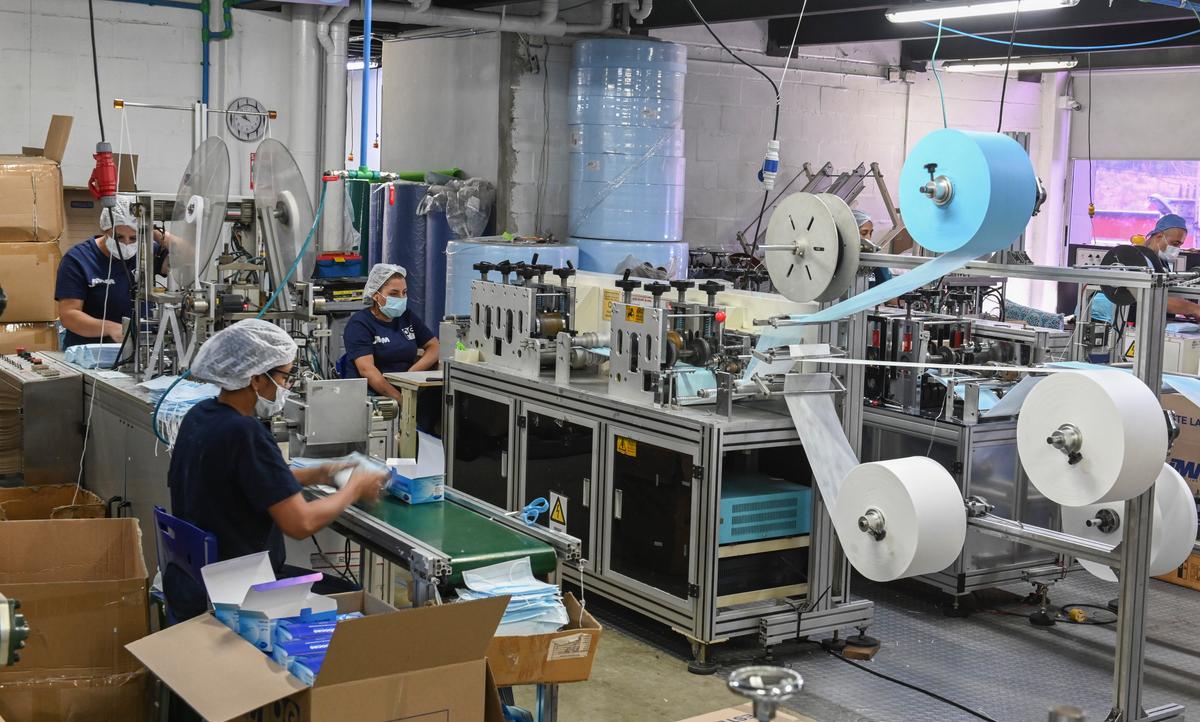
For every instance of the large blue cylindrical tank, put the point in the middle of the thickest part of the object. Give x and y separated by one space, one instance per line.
626 140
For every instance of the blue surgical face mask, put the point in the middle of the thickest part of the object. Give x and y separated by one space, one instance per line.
393 306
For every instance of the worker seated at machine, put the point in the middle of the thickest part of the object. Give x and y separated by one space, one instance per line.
227 474
96 278
387 337
1160 250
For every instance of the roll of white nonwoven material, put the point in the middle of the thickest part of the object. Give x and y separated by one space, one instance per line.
1109 419
1174 526
922 514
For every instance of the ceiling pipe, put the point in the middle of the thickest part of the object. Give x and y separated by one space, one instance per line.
333 32
545 23
641 11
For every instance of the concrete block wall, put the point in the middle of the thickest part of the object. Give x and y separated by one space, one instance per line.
728 115
146 54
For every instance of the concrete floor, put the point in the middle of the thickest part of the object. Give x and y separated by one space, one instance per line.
632 680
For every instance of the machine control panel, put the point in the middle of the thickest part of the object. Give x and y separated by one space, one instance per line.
24 366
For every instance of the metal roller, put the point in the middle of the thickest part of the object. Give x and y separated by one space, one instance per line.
812 247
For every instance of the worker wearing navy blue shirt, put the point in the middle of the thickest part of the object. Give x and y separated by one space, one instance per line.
386 337
227 474
95 278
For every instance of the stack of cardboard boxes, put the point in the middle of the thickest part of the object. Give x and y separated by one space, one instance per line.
31 222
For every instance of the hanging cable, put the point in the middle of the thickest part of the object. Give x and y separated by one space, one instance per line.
1091 167
1012 38
774 87
791 50
913 687
96 69
937 76
1070 48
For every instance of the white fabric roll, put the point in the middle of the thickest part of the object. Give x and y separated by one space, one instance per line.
1122 431
923 514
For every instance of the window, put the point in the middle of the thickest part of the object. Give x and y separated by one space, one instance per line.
1130 195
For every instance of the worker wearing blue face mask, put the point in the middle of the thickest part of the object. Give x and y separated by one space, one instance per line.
1165 240
386 337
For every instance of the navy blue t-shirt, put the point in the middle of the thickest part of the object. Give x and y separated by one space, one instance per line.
226 471
84 274
393 343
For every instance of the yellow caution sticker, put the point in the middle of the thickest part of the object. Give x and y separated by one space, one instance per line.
558 512
635 314
611 296
626 447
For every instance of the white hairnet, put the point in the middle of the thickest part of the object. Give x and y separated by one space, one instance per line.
380 273
245 349
121 215
861 218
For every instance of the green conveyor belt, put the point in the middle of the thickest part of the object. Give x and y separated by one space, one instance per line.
469 539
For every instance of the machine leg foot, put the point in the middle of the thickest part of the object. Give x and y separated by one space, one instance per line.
834 644
702 662
958 607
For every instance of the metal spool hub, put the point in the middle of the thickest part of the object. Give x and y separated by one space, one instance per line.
812 247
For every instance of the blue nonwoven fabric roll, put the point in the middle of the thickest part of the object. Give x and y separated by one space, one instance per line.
404 238
461 255
437 235
629 53
618 225
627 82
608 256
643 112
626 140
612 168
994 192
589 197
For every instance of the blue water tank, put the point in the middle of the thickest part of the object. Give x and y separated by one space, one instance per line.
626 140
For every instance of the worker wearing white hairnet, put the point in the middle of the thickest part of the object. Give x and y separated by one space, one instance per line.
866 228
227 475
96 278
386 337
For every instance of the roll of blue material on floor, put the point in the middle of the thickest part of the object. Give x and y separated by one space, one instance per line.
404 237
964 194
618 225
643 112
613 256
437 236
626 82
629 53
612 168
626 140
461 255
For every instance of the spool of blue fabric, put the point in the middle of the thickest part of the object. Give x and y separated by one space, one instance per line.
630 169
626 140
437 235
613 256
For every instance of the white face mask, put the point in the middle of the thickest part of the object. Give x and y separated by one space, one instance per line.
124 251
1170 254
265 408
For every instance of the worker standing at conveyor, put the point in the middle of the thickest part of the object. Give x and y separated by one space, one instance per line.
95 278
227 474
387 337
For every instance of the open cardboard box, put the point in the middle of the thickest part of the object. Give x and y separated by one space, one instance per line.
31 189
553 658
82 586
49 501
41 336
28 273
419 665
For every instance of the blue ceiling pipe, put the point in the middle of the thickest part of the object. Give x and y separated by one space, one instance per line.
366 87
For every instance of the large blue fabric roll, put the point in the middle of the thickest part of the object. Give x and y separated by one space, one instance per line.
403 237
461 255
437 236
614 256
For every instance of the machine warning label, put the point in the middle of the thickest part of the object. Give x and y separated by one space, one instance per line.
611 296
575 646
626 447
558 512
635 314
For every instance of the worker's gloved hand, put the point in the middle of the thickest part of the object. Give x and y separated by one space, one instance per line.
367 484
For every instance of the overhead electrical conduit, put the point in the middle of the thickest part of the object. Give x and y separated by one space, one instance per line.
333 33
546 22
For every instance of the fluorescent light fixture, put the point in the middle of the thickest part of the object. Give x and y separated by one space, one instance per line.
997 65
358 65
935 11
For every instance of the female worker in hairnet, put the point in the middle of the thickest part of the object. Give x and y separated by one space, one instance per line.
386 336
227 474
866 228
95 278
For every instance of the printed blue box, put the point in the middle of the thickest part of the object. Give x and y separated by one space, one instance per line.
424 490
307 668
285 652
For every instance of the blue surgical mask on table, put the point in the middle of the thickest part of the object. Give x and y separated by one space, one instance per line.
394 307
265 408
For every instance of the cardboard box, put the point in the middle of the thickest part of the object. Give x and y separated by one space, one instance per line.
28 336
28 272
563 656
1187 575
416 664
744 713
1185 453
49 501
82 586
31 189
82 217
